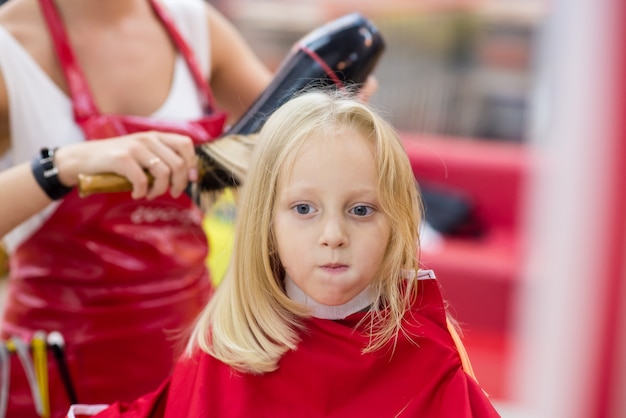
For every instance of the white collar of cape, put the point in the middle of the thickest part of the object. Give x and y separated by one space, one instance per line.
356 304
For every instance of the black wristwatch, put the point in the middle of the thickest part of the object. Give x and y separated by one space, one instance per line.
47 175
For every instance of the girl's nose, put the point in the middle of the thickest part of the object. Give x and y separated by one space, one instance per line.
333 233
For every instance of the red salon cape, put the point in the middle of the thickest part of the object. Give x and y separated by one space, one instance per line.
328 376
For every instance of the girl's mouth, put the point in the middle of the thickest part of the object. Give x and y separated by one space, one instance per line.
334 267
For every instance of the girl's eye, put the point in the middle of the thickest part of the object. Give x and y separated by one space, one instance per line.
303 208
362 210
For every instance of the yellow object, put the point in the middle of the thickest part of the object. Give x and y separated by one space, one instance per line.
40 360
4 260
219 225
465 361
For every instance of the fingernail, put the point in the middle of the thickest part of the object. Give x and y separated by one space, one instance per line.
193 174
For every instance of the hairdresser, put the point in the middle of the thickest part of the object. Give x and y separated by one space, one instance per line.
120 276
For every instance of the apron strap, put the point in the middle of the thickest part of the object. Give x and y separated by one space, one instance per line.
208 102
82 99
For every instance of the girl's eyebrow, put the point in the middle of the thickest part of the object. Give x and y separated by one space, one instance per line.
364 190
305 187
357 195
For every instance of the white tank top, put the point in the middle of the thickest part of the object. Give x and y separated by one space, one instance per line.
41 114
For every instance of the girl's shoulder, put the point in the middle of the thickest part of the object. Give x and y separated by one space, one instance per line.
428 301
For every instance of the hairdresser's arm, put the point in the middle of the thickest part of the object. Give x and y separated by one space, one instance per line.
21 197
238 77
127 156
369 88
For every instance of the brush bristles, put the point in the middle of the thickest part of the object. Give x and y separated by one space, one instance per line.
224 162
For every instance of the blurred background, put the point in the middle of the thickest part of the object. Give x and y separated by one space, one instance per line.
512 114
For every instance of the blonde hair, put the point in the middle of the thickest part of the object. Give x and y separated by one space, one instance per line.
250 322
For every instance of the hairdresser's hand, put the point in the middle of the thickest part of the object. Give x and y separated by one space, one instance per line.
170 158
368 89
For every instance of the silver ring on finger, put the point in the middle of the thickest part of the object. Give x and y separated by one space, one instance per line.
153 161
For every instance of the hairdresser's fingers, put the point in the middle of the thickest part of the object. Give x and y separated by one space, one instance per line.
169 172
169 158
181 145
161 174
368 89
135 173
178 154
157 159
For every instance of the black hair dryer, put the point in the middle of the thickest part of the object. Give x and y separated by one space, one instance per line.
342 52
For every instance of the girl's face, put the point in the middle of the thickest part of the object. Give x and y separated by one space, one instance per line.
330 234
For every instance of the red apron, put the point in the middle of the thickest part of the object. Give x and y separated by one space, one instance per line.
120 279
329 376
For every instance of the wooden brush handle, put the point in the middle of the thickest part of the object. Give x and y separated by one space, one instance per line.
106 183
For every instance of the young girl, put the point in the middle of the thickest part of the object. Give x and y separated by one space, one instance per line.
324 312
